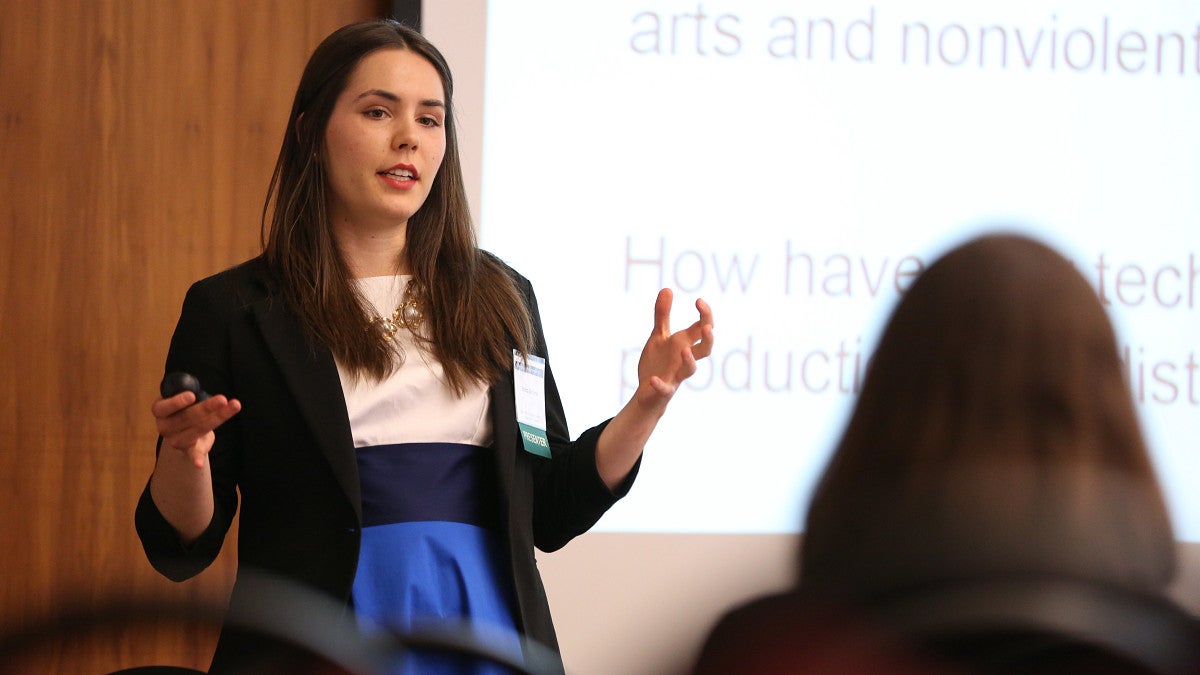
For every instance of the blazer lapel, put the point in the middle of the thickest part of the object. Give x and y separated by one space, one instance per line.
313 379
504 431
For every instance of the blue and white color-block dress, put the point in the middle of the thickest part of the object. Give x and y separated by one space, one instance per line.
433 553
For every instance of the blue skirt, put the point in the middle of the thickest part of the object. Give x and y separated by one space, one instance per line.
432 557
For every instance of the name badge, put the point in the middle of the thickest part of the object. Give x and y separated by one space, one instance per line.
529 381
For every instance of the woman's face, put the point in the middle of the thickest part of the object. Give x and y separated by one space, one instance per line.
384 141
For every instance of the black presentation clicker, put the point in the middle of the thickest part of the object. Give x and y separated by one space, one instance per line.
176 382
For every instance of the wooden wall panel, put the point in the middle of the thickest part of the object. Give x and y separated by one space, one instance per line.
137 139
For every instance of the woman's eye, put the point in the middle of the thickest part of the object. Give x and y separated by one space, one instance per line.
375 113
431 121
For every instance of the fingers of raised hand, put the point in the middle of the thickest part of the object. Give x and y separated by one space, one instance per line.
664 390
706 315
688 367
701 332
662 312
699 339
678 363
703 345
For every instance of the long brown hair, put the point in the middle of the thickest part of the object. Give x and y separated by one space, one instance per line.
475 312
995 434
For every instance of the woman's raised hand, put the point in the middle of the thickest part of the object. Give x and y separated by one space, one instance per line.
670 358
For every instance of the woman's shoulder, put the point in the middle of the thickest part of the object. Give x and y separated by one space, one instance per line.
246 273
492 260
239 285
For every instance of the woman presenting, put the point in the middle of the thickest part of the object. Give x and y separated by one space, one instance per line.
381 400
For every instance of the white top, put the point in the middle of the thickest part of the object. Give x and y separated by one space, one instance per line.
414 404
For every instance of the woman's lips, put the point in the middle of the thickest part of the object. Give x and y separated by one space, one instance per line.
400 176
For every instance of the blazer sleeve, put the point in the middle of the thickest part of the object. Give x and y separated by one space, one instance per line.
569 494
200 345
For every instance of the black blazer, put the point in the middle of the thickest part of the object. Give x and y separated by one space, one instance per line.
290 455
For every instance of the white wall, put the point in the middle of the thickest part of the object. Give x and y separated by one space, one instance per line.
459 29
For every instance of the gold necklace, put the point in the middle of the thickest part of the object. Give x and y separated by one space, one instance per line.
408 314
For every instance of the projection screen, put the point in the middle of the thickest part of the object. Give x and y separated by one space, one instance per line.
796 165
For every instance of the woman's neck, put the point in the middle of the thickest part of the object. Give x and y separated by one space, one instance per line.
373 253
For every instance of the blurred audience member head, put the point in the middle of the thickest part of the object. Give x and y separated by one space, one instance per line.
995 435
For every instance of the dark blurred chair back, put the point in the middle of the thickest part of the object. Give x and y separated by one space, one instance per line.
295 631
1047 626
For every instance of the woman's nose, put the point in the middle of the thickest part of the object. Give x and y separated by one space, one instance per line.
405 136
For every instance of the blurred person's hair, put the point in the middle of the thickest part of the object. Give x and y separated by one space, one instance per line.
995 436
